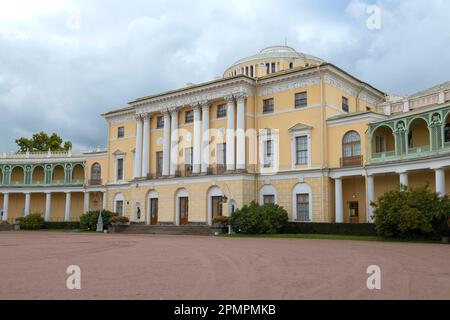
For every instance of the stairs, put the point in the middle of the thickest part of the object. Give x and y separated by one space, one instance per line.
197 230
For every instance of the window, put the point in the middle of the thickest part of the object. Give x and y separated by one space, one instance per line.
345 104
120 132
221 111
273 67
301 150
351 144
119 169
268 105
269 199
447 133
268 68
380 144
354 209
301 100
96 172
160 122
188 160
268 154
221 155
189 116
119 207
291 65
302 206
159 163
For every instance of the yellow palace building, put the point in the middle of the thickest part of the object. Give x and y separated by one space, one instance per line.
280 126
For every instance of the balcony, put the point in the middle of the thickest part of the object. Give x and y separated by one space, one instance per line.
42 183
354 161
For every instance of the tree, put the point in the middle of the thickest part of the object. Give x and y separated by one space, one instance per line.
43 142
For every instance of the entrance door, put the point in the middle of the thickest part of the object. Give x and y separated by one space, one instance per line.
184 207
216 206
353 208
153 210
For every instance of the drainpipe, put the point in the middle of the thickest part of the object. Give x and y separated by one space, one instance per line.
324 138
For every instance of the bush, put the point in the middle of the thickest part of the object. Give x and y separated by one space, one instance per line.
254 218
119 219
33 221
89 219
62 225
412 213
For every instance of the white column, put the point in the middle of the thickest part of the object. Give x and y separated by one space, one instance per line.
174 142
197 141
67 211
104 201
27 204
5 206
86 201
404 178
370 198
166 144
48 206
146 147
230 134
440 181
240 132
339 200
138 150
205 137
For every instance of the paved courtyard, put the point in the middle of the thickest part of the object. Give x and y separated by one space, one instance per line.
33 266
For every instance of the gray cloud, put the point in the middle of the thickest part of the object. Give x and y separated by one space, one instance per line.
57 77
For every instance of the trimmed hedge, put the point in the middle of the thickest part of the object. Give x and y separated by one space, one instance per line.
62 225
350 229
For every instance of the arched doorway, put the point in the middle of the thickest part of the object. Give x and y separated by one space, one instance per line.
58 175
383 142
215 203
152 208
78 173
418 136
182 207
302 203
268 194
447 130
17 175
38 176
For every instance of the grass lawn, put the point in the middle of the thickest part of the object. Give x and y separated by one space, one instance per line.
327 237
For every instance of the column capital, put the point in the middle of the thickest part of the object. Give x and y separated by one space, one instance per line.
138 116
241 96
196 107
229 98
173 110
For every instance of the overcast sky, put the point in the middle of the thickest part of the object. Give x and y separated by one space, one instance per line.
63 63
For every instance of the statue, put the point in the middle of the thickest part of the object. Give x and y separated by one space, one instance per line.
100 223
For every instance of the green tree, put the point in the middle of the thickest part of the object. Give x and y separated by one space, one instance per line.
43 142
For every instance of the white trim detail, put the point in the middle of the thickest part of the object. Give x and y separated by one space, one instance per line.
301 188
267 189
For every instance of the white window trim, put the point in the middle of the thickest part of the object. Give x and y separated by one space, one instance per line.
213 192
263 137
180 194
116 167
294 135
119 197
301 188
267 190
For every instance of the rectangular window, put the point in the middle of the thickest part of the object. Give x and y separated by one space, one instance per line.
345 104
268 154
269 199
301 150
188 160
301 100
303 207
159 163
189 116
160 122
120 132
221 111
119 169
268 105
119 207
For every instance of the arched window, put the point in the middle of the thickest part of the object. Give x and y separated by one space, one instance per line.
96 171
351 149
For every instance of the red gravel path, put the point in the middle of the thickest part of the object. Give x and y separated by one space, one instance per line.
33 265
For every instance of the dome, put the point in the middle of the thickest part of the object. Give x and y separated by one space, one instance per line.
283 57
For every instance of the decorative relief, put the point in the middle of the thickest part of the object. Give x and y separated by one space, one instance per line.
288 85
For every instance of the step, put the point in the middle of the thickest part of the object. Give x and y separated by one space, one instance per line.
167 229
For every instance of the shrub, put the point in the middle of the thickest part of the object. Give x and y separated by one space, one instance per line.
89 219
33 221
254 218
221 220
119 219
71 225
412 213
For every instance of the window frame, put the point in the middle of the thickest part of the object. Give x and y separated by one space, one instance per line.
267 104
300 103
189 116
221 111
345 104
120 132
159 122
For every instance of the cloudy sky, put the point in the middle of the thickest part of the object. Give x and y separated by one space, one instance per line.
63 62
